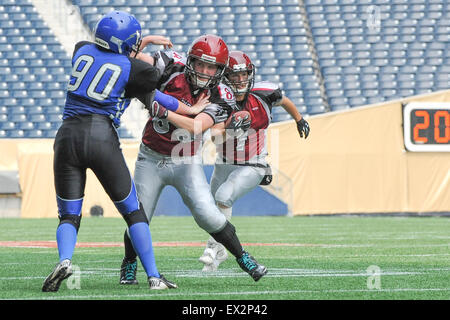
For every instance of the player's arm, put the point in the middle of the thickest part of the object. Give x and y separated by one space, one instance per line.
233 128
151 39
290 108
197 125
156 40
214 113
220 131
145 57
143 82
177 106
167 103
302 124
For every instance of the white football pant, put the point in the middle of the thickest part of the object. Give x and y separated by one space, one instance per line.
154 171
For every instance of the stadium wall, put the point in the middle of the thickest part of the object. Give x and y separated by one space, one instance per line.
353 162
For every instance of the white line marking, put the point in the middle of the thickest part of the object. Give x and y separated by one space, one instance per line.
393 290
236 272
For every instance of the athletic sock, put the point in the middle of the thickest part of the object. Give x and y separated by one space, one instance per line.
229 239
226 211
141 239
130 254
66 238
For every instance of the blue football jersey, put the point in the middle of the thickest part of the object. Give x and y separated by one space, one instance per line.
103 82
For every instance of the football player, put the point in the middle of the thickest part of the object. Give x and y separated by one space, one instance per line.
169 155
104 79
241 162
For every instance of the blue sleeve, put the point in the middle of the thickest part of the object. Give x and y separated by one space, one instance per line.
166 100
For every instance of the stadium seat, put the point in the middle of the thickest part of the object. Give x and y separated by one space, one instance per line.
27 46
44 126
25 125
7 125
35 133
273 32
16 133
37 118
54 117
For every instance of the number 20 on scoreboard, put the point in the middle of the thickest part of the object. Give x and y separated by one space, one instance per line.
426 127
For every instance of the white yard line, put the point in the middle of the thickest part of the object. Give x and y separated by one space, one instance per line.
236 272
218 294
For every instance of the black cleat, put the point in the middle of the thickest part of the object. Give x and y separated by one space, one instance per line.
161 283
128 272
251 266
62 271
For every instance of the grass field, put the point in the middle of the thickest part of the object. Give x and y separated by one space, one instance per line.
308 258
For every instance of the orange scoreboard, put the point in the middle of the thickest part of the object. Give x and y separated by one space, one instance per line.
426 126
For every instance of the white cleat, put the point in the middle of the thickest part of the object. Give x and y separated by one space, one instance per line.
62 271
208 256
161 283
212 259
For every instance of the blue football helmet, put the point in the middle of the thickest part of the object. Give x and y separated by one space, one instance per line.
119 32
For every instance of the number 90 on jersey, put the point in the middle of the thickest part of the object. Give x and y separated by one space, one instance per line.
426 127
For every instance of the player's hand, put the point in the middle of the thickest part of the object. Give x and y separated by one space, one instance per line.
158 111
158 40
201 104
303 128
240 123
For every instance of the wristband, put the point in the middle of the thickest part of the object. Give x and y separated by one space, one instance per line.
169 102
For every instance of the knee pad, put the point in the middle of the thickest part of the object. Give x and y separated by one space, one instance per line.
135 217
130 203
69 211
267 179
72 219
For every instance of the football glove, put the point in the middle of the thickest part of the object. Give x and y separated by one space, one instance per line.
241 123
303 128
158 111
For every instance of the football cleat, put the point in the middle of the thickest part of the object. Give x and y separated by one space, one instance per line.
208 256
128 272
62 271
251 266
213 257
161 283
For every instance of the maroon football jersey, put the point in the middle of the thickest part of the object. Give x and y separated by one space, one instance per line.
162 136
259 103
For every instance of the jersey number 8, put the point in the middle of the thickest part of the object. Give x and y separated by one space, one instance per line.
161 125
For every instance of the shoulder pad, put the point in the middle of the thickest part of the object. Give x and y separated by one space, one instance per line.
168 57
265 85
224 96
268 91
80 44
177 57
225 92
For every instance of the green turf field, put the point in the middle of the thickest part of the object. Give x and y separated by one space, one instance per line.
308 258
